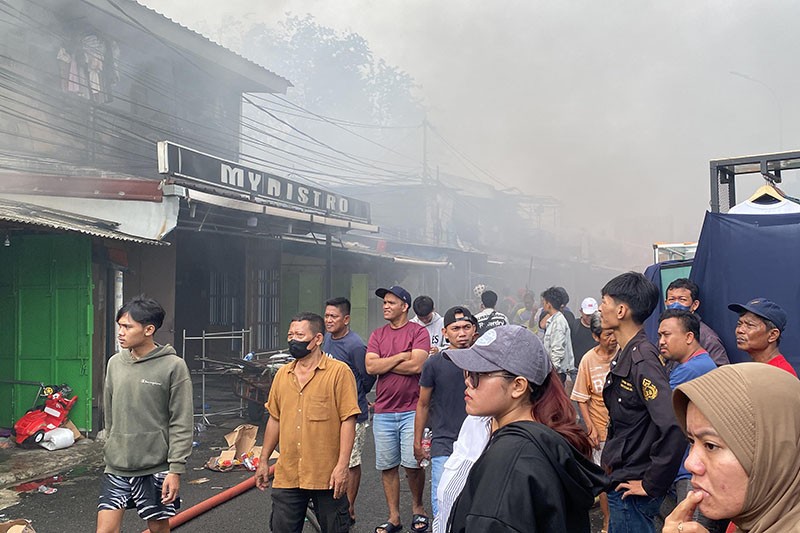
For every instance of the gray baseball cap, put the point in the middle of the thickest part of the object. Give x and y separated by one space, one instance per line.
510 348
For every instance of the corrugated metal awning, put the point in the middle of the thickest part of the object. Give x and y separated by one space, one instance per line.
35 215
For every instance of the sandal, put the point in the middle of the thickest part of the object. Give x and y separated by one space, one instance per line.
420 523
388 527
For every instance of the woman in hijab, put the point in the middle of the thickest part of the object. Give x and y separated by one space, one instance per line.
743 425
535 474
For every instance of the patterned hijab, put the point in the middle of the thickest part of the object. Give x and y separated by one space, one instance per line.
755 408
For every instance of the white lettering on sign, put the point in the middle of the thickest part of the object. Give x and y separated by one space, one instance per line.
343 205
231 175
302 195
330 204
317 195
273 188
254 179
289 187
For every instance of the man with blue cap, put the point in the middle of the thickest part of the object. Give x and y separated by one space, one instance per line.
758 332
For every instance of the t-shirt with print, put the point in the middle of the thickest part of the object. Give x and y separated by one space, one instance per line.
434 329
588 388
447 409
397 393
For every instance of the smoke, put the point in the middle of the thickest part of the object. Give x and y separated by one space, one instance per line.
613 107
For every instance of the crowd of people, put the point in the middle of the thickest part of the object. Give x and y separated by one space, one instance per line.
526 422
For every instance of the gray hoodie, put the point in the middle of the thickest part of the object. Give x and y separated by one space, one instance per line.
148 413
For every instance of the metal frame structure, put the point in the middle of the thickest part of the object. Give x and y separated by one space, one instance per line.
243 336
724 172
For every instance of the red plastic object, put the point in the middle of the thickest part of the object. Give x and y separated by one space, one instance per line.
30 429
207 505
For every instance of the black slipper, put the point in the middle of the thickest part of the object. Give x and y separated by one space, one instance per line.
388 527
420 520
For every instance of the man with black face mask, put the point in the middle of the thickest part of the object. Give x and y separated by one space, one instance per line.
315 397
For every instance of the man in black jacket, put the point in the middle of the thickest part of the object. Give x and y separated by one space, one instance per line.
645 446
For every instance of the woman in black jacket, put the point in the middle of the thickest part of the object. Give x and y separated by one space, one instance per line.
535 474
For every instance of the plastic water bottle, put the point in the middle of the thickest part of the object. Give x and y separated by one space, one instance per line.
427 436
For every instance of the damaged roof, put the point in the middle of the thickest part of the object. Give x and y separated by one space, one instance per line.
44 217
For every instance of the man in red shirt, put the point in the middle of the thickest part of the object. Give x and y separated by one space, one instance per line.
758 332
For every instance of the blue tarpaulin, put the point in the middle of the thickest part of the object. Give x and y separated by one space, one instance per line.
741 257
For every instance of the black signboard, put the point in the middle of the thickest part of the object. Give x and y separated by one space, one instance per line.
181 162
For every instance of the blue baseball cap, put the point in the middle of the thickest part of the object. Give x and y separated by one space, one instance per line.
764 308
398 291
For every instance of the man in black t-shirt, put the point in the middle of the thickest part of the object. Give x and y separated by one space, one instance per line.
582 339
441 392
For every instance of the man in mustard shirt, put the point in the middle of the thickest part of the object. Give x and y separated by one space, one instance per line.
312 407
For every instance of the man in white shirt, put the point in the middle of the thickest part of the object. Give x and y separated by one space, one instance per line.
428 318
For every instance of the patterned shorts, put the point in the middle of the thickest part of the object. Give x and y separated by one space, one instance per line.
358 444
142 493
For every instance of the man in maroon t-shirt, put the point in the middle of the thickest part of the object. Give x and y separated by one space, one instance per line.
396 353
758 332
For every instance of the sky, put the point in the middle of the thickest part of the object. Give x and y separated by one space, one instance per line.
613 107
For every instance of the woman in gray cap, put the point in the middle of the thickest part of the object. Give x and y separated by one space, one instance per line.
535 474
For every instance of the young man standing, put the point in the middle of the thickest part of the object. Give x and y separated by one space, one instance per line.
678 334
489 317
644 446
557 338
312 407
441 390
148 413
346 346
428 318
396 353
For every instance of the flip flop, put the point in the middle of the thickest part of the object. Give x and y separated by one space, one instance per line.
420 520
388 527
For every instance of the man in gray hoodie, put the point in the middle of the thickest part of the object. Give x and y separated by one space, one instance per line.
148 414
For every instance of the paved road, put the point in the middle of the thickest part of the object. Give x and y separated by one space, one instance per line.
72 509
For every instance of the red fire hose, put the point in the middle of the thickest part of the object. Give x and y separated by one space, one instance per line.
210 503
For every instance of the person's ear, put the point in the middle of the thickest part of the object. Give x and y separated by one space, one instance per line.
773 335
694 306
346 320
149 330
519 387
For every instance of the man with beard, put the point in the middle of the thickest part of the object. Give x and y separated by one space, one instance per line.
396 353
441 390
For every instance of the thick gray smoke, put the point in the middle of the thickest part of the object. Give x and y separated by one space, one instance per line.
615 108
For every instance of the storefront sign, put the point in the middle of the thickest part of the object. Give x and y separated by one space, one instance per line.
181 162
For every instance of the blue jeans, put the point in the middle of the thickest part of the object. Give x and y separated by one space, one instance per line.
634 514
394 440
437 467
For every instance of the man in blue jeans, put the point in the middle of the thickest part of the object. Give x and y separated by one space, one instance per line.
396 353
644 446
441 392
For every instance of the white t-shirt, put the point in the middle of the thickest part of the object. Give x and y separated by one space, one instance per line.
754 208
434 328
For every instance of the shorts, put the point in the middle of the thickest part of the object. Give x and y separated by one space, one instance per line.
394 440
598 453
358 444
141 492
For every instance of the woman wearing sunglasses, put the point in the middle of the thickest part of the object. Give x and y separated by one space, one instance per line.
535 474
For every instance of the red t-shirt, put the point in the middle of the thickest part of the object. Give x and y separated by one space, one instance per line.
781 362
397 393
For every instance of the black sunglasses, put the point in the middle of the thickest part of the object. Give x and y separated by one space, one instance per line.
474 378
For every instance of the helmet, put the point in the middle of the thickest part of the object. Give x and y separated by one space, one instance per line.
479 289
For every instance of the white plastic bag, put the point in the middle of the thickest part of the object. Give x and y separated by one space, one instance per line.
57 439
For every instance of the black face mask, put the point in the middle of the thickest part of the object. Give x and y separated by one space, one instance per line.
299 349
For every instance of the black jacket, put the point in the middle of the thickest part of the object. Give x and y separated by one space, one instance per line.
644 440
529 479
